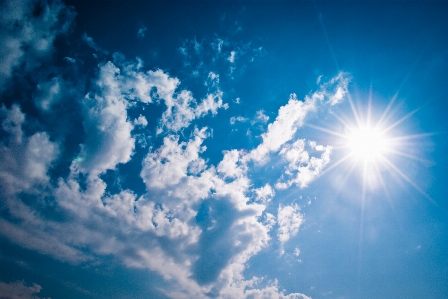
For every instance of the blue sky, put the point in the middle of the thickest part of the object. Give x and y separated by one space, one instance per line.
192 149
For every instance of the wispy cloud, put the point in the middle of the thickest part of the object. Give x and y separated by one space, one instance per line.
19 290
141 32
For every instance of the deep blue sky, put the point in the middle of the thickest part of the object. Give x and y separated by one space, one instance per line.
192 149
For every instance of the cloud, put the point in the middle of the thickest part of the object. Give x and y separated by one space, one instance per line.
91 43
26 36
234 119
261 117
18 290
108 133
265 193
292 116
196 223
140 121
52 92
24 160
301 165
231 58
289 220
141 32
184 108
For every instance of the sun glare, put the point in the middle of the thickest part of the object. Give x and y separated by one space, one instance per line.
367 144
373 145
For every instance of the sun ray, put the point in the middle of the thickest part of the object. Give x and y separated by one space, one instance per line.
407 179
337 163
386 111
352 105
425 161
383 184
334 133
400 120
409 137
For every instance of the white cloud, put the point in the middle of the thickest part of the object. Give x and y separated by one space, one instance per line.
184 109
235 119
261 117
290 117
140 121
208 252
170 164
231 58
137 85
289 220
24 161
230 166
108 133
265 193
303 167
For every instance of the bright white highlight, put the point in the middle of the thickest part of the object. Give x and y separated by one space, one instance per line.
368 144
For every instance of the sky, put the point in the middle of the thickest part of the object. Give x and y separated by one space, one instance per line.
237 149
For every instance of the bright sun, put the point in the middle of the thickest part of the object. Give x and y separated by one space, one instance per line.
373 145
367 144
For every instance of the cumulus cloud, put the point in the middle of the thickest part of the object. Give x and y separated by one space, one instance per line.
140 121
265 193
108 132
292 116
184 108
301 166
198 223
24 160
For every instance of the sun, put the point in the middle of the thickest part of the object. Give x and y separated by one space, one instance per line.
371 143
367 144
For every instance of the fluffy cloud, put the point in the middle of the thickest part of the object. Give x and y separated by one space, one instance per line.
197 224
292 115
108 132
301 165
261 117
24 161
184 108
140 121
289 220
265 193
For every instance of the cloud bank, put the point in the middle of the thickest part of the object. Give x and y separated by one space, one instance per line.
197 223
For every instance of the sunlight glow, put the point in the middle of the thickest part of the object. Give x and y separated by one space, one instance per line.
368 144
